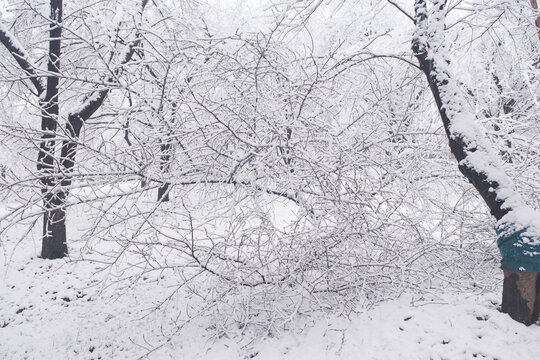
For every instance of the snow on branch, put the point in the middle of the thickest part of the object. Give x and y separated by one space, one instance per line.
94 102
518 224
21 56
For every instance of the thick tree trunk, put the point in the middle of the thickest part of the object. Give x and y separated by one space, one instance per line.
521 296
520 288
54 232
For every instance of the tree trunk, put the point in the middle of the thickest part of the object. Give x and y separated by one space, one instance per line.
54 241
54 226
163 192
520 288
521 296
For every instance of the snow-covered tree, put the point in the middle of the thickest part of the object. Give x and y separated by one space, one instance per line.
90 67
518 225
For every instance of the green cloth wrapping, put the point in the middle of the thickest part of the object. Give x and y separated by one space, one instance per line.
517 250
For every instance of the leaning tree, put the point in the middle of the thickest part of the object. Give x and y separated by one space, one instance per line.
518 225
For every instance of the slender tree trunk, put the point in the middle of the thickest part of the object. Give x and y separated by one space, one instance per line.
76 120
163 191
165 158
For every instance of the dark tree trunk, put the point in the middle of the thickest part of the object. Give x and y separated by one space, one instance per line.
163 192
68 152
520 289
54 226
487 188
521 296
54 229
165 158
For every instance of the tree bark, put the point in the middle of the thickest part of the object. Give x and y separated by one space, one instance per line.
54 240
521 296
77 119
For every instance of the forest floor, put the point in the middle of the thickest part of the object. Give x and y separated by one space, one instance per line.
62 310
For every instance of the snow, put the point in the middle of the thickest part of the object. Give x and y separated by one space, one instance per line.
54 309
453 327
70 309
85 105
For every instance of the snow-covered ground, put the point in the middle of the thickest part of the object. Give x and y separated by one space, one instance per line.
59 310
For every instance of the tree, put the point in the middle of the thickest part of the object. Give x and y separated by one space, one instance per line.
518 226
291 172
54 170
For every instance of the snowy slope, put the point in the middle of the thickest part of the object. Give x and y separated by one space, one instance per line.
58 310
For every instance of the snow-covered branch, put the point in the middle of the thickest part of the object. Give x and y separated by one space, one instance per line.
94 102
22 58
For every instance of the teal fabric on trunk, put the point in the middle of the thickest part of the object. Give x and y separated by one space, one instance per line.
517 250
